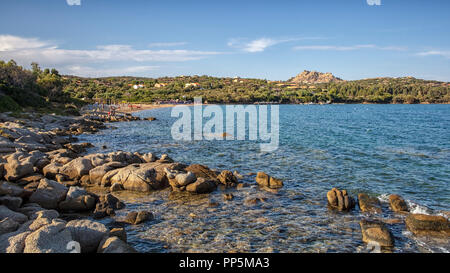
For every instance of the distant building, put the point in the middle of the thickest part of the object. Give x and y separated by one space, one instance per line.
137 86
159 85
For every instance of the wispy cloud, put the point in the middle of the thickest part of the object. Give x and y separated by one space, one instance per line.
169 44
348 48
73 2
373 2
261 44
27 50
445 54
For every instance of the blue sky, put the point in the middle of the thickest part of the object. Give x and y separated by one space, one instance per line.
274 40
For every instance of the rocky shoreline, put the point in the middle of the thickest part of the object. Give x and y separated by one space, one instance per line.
47 201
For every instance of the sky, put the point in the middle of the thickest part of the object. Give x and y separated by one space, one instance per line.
274 40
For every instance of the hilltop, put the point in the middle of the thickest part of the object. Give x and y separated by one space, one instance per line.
314 77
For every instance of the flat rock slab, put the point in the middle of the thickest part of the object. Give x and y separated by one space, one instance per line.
376 232
428 225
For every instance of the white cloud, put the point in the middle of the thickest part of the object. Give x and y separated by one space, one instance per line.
445 54
261 44
170 44
374 2
73 2
27 50
9 42
348 48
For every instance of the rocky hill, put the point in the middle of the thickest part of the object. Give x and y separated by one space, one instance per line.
314 77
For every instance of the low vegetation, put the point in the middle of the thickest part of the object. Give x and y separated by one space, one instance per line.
48 91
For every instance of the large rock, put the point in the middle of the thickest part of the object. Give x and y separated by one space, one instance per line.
397 203
11 189
8 225
88 233
13 203
49 193
368 203
53 238
16 216
141 177
340 200
76 168
115 245
13 242
77 199
136 178
265 180
376 232
18 165
202 185
51 170
428 225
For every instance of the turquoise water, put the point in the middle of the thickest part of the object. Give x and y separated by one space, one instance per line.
378 149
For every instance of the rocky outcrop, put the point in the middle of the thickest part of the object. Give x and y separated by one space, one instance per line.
376 232
340 200
312 77
397 203
266 180
368 203
428 225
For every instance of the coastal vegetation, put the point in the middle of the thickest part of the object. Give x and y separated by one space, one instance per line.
48 90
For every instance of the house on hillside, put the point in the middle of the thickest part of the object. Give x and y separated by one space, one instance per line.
137 86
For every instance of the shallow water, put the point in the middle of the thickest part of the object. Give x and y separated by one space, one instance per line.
378 149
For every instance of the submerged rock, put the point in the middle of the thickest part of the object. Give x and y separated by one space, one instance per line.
428 225
107 205
265 180
340 200
369 204
377 232
228 179
397 203
135 218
